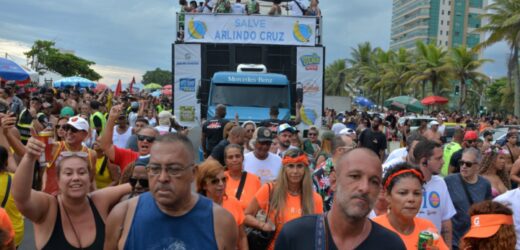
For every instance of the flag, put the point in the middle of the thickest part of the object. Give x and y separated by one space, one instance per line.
119 88
132 85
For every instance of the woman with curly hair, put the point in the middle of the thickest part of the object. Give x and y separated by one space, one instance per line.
493 169
211 182
491 227
291 196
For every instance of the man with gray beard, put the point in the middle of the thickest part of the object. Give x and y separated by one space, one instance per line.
345 226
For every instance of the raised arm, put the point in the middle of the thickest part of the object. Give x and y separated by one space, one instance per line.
107 198
106 143
12 135
33 204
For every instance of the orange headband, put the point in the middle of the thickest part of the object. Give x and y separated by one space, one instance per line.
400 172
300 159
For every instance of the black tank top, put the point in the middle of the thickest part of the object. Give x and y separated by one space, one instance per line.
58 241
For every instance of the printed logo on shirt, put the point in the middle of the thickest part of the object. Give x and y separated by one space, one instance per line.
214 125
434 199
169 243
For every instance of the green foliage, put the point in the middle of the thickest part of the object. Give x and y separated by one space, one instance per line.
335 82
44 56
163 77
499 95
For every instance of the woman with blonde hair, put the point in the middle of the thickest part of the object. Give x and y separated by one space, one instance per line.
493 169
291 196
211 182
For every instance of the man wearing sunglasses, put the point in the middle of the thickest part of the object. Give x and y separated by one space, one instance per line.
466 188
123 156
77 130
171 215
470 141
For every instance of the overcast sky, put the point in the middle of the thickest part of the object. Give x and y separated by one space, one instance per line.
127 38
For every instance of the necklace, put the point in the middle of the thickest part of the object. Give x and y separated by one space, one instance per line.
71 225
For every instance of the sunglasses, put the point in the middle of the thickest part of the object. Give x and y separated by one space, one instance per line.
142 182
467 163
150 139
70 128
60 126
312 134
216 181
471 141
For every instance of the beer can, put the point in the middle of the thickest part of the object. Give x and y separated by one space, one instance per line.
425 240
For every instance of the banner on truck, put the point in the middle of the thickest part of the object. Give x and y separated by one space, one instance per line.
252 29
309 80
187 60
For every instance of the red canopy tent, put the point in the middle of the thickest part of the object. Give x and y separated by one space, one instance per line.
432 100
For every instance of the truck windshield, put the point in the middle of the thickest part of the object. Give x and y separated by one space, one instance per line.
250 95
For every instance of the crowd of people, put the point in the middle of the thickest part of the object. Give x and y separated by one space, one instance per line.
99 171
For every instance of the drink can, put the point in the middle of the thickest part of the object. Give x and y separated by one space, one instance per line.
425 240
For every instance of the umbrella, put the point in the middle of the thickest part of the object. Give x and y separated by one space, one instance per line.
152 86
363 101
156 93
167 90
100 87
432 100
405 103
74 81
10 70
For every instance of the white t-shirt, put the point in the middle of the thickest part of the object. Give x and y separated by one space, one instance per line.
238 8
511 199
436 204
211 4
441 129
152 121
120 139
266 169
295 10
163 129
132 118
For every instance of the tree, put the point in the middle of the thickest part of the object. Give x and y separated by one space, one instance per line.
464 64
432 61
360 57
499 95
504 25
43 56
162 77
335 83
396 71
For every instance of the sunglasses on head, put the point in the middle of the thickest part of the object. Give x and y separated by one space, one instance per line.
150 139
216 181
70 128
142 182
467 163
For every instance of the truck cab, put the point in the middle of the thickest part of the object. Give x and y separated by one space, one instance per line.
250 94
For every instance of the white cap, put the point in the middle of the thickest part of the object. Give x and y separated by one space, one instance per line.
433 123
164 118
79 123
347 131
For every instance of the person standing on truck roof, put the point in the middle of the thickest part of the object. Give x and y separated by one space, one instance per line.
273 122
212 130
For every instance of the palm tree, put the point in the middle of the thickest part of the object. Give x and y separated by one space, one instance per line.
373 74
464 64
504 25
360 57
396 71
335 78
431 60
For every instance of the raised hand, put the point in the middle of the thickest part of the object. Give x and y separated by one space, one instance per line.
34 147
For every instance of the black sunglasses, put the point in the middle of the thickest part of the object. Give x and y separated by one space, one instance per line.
60 126
142 182
216 181
150 139
70 128
467 163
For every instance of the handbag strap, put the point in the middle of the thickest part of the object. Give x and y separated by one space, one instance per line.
466 190
321 241
268 202
7 191
510 154
241 185
299 6
103 166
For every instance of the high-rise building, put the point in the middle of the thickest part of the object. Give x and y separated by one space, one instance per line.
447 23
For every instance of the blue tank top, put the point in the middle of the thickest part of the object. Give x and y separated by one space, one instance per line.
152 229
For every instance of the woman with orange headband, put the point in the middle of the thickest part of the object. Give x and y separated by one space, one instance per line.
289 197
403 191
491 227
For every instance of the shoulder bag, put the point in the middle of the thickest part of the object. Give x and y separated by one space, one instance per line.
256 238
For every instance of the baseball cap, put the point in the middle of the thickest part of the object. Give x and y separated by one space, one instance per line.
347 131
142 160
66 111
286 127
433 123
134 105
487 132
264 135
470 135
164 117
78 123
487 225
